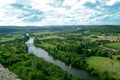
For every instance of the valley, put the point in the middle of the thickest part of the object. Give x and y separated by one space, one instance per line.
94 49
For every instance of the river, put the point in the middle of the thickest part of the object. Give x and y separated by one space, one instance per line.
43 54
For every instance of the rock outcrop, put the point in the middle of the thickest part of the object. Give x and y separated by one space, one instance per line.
5 74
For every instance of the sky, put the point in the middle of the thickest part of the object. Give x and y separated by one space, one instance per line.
59 12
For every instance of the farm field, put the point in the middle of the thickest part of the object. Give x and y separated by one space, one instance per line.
92 50
70 46
104 65
114 45
60 39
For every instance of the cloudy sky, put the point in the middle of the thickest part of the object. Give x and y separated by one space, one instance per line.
59 12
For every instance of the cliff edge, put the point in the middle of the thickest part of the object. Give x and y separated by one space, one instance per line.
5 74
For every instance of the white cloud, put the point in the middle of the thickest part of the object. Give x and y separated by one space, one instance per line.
8 20
6 2
42 5
24 2
58 12
112 2
80 4
69 2
93 1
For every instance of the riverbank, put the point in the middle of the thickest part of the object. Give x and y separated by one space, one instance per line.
43 54
95 68
76 49
14 56
82 72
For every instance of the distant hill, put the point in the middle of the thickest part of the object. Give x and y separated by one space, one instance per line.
95 28
106 28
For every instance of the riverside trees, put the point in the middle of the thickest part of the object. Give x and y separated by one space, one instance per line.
14 55
77 46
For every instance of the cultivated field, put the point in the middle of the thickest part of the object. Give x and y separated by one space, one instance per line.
114 45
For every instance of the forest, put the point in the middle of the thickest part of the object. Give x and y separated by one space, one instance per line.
14 56
94 49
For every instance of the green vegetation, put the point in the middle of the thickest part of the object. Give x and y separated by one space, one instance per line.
109 68
13 55
92 48
76 48
114 45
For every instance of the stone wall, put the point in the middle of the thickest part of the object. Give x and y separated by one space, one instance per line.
5 74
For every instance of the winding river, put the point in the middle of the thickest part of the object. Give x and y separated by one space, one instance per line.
43 54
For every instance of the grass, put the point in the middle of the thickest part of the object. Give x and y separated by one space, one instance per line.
47 45
102 64
6 39
52 37
114 45
42 33
10 37
101 37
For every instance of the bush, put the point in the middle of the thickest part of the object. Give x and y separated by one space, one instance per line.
118 58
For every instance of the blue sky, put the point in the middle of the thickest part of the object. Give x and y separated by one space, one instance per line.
59 12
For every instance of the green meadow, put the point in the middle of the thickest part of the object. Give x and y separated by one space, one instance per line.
95 49
106 66
114 45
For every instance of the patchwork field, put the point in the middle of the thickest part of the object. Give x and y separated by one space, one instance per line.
114 45
95 49
105 65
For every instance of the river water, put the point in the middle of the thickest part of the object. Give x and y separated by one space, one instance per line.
43 54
